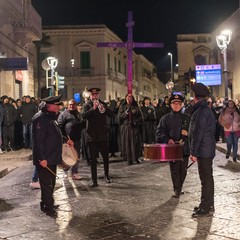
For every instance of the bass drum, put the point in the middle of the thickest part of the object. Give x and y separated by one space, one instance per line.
69 156
163 152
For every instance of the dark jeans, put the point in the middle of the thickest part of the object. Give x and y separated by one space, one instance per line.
27 135
232 142
205 171
8 136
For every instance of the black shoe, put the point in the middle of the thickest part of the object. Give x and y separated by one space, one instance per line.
200 213
138 161
211 209
93 185
51 212
108 179
227 155
8 149
130 163
176 194
43 207
235 159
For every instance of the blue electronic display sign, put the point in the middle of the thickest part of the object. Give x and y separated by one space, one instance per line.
209 75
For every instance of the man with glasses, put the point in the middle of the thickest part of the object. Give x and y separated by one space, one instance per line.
173 129
71 126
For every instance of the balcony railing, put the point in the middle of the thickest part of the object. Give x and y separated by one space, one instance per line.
76 72
28 21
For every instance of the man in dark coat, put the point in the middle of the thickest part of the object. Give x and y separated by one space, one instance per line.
47 150
202 147
10 115
149 121
172 129
27 111
95 112
70 124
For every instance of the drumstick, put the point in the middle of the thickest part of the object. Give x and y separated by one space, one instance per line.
52 172
190 165
72 149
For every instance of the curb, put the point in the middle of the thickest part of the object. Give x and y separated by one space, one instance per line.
3 172
224 150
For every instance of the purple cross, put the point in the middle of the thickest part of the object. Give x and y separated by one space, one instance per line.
129 45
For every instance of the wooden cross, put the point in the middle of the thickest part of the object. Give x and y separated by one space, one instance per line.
129 45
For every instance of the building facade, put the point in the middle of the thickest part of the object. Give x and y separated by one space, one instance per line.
20 25
202 49
83 64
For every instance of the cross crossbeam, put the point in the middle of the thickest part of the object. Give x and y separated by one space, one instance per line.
129 45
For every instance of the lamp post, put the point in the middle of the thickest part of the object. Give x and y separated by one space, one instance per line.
72 72
171 61
52 63
222 41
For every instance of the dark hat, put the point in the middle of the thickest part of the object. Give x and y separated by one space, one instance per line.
52 100
200 90
27 96
94 90
176 98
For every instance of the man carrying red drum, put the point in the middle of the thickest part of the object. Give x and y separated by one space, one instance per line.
173 129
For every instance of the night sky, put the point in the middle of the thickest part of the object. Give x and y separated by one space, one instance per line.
155 20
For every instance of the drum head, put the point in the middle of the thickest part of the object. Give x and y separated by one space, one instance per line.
69 155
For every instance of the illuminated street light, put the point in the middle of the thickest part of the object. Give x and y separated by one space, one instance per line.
52 62
171 59
222 41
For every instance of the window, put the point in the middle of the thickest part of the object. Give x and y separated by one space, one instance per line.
109 61
119 66
115 63
85 60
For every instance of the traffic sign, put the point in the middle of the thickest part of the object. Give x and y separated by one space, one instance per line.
13 64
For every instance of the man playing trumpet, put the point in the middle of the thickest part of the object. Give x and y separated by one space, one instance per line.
95 112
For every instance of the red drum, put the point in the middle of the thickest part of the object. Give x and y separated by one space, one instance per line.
69 156
163 152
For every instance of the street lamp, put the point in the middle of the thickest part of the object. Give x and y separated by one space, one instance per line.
171 59
222 41
52 62
72 73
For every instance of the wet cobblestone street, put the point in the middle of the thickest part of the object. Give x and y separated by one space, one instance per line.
137 205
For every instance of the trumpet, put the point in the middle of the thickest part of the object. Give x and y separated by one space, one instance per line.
100 106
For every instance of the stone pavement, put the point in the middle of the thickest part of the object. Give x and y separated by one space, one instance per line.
137 205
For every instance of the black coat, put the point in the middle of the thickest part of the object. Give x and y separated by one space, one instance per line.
170 127
130 131
10 114
47 139
96 123
27 111
71 124
149 124
202 130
